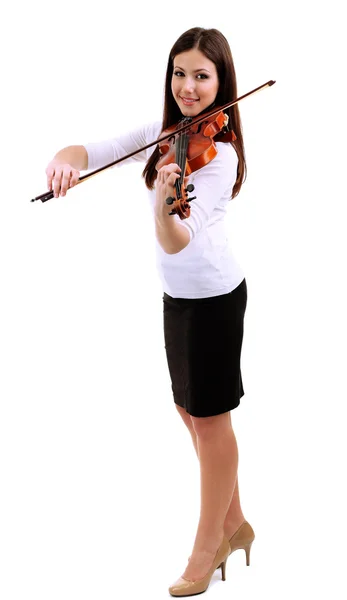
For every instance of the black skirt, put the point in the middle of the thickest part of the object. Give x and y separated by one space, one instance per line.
203 340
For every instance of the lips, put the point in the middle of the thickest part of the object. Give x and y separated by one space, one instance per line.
188 100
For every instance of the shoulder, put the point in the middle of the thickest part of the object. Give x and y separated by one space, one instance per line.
227 153
152 131
225 161
221 171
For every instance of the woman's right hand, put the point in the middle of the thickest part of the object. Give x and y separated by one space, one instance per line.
60 177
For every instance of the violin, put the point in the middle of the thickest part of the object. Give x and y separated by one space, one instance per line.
190 144
192 150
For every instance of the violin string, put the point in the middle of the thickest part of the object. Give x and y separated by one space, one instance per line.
182 157
179 156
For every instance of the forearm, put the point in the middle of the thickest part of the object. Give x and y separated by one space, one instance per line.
171 236
76 156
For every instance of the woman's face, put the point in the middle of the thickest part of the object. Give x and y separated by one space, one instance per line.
194 82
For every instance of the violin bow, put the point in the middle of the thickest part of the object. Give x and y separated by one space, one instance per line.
50 194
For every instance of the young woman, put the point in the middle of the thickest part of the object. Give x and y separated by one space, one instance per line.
204 288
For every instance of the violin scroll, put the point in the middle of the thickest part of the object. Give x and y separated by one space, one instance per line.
182 207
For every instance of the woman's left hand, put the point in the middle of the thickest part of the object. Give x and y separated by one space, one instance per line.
165 187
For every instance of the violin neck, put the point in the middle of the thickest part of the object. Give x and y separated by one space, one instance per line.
181 158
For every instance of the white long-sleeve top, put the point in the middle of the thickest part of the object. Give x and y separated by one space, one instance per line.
206 267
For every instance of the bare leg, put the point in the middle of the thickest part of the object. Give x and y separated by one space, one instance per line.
234 517
218 456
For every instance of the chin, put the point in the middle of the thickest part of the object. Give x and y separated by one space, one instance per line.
189 112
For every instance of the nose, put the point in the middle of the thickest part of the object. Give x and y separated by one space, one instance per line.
189 85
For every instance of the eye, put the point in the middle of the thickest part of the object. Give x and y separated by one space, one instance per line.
179 73
202 75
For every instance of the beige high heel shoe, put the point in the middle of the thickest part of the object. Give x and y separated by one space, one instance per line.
243 540
184 587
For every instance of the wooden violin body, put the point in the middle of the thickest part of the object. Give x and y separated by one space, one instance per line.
191 150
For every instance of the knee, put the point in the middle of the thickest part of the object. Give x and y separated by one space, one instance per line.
185 416
209 427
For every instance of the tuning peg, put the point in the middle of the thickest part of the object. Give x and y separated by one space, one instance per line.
170 200
190 199
190 187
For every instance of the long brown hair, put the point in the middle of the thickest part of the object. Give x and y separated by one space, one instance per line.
215 47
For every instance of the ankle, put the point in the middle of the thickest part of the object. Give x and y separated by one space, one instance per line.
232 525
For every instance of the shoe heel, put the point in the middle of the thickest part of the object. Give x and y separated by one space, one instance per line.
223 567
248 552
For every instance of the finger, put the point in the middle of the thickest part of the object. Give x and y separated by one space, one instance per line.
74 179
160 177
65 182
57 182
173 167
172 178
50 174
167 169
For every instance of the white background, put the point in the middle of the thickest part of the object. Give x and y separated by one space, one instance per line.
99 479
